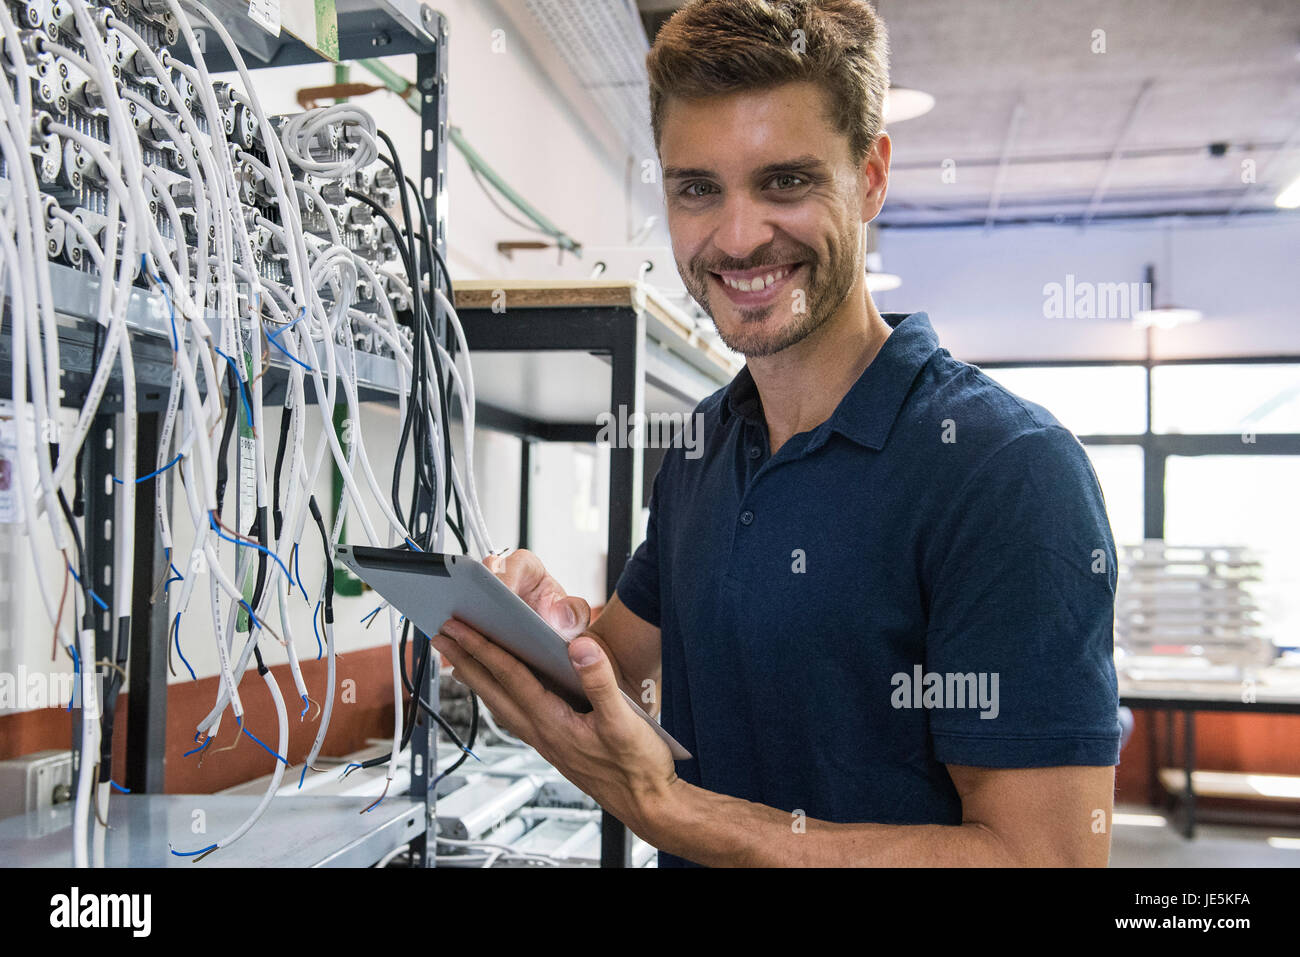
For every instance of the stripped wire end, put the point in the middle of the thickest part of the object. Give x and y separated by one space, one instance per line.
381 797
201 852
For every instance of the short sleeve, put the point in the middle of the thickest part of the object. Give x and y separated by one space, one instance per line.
638 585
1022 613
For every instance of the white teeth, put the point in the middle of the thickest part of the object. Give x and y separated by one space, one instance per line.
758 283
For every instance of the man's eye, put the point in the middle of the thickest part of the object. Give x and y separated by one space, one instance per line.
697 189
788 181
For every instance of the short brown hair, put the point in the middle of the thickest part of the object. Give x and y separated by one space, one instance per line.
712 47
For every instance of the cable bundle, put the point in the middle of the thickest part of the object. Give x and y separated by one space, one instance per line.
266 239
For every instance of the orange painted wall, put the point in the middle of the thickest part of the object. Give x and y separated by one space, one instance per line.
370 716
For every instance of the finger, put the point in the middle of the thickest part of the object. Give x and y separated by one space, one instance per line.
567 614
477 678
522 571
597 676
525 575
508 671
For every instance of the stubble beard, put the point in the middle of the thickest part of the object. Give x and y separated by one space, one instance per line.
827 287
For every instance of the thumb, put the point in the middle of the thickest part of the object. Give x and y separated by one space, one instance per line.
595 672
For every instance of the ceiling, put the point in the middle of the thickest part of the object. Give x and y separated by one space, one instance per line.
1190 98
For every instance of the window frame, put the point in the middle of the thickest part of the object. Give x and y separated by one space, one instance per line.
1158 447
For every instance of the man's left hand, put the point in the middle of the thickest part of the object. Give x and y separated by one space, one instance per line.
609 753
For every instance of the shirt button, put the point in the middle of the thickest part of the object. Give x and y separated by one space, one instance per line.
746 517
755 452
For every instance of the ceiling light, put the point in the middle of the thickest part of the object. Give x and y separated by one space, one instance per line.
902 103
1289 198
1165 317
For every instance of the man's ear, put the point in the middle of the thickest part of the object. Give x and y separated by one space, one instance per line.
874 171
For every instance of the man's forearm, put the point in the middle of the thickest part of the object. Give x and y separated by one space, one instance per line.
720 831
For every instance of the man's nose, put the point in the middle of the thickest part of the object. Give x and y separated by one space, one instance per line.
743 228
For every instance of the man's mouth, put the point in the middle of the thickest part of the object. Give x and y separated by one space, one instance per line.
755 287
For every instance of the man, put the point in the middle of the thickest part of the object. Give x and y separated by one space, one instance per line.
878 609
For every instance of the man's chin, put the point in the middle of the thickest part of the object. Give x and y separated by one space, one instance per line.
760 335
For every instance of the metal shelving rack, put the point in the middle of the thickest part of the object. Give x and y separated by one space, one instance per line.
366 28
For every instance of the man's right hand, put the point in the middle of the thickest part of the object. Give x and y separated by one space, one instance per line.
527 577
569 615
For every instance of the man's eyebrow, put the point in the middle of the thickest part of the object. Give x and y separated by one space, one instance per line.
687 172
808 162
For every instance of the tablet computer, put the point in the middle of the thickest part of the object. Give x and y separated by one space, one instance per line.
430 587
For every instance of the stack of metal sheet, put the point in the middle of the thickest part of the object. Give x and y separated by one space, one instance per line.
1189 609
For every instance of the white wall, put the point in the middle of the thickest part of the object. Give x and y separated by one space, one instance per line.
984 290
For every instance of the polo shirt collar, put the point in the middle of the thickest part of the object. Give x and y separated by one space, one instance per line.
868 411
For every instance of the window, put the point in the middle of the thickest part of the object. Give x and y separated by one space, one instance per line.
1244 500
1088 400
1226 398
1119 471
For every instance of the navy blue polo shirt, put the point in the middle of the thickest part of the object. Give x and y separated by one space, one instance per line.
926 578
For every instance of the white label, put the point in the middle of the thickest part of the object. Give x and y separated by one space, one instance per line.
11 511
266 14
247 479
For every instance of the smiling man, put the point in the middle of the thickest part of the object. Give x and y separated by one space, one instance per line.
878 608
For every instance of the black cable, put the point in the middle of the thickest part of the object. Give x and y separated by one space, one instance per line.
416 418
232 413
415 403
329 560
277 516
473 735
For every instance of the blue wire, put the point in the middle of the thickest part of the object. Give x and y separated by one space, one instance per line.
175 571
264 747
292 358
76 675
90 591
203 850
247 544
243 387
144 268
302 777
372 614
285 328
315 627
184 661
249 608
350 767
375 805
305 706
414 547
145 478
206 742
118 788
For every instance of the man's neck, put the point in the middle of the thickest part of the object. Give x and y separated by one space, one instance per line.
801 386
